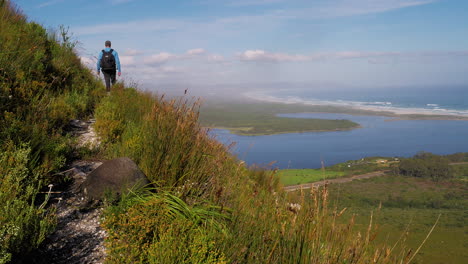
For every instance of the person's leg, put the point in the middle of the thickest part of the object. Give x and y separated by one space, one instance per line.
107 79
113 77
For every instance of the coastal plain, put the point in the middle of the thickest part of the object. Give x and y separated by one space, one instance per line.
404 208
254 117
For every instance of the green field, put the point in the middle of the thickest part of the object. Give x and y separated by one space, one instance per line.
349 168
460 171
401 204
300 176
412 203
262 119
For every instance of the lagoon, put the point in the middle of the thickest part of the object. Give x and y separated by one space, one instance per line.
377 137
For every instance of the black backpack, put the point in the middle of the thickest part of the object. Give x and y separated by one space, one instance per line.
108 61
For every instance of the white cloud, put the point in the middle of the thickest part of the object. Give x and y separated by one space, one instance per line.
49 3
132 52
158 59
196 52
118 2
216 58
209 67
196 55
137 26
342 8
88 62
263 56
128 61
305 9
315 10
254 2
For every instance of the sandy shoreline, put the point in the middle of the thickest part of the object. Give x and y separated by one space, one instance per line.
357 108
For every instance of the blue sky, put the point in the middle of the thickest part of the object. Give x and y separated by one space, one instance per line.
358 42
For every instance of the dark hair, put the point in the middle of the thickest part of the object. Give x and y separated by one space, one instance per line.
108 43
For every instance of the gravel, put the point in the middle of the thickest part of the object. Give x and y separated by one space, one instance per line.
78 237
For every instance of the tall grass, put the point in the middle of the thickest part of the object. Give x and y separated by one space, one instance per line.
163 137
262 224
156 223
42 87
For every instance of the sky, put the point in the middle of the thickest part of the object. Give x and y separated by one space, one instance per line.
371 43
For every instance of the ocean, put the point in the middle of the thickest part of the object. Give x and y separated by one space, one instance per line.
377 137
426 100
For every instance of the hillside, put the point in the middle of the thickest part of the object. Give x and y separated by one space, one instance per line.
204 206
42 86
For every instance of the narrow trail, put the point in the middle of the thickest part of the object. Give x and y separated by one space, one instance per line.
338 180
458 163
78 238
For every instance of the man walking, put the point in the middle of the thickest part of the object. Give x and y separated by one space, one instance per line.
109 62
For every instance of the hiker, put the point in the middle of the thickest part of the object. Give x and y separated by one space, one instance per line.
109 62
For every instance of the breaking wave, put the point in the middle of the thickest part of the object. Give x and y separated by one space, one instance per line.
430 109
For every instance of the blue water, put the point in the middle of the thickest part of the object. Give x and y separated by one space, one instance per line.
377 137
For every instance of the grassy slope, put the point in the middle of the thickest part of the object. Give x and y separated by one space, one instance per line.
42 86
261 119
415 202
250 219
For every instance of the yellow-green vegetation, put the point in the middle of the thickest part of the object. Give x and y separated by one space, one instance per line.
413 204
300 176
42 86
206 206
345 169
262 119
365 165
460 171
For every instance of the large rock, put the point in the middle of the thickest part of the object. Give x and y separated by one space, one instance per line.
114 176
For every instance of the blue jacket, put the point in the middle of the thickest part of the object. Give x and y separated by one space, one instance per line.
117 60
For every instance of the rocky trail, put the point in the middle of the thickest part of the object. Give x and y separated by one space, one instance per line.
78 238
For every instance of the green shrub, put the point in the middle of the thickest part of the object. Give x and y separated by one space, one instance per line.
23 225
163 137
161 228
43 85
426 165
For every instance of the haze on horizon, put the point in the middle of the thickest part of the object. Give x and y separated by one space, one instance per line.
368 43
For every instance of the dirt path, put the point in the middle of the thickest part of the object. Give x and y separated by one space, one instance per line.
338 180
458 163
78 237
